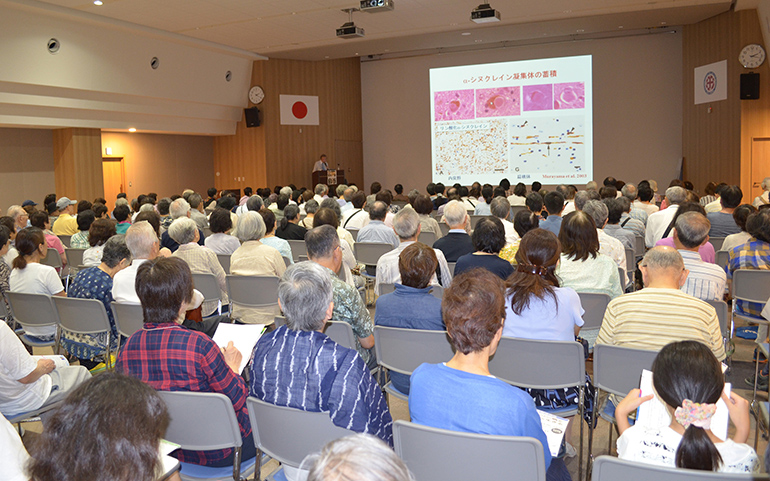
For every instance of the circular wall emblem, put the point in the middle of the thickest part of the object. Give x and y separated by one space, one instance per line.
710 83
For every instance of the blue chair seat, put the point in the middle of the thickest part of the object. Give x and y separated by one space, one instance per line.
208 472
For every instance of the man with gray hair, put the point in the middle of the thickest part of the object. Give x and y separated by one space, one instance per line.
196 210
658 222
764 197
406 224
608 245
614 209
299 367
629 191
661 313
501 208
323 248
376 230
705 281
177 210
584 196
321 191
457 242
361 457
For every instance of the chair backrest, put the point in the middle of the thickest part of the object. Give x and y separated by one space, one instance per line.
353 233
128 317
639 246
722 258
610 468
65 240
341 332
253 291
206 232
431 454
475 220
191 429
539 364
722 314
52 258
751 285
368 253
451 266
630 261
32 309
224 259
289 434
618 369
74 256
403 350
444 228
82 316
287 261
594 305
207 285
427 238
717 242
298 248
515 209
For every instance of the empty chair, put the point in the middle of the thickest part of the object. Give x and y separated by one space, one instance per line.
751 285
217 429
252 292
128 318
65 239
74 260
353 233
717 242
298 248
340 332
427 238
722 258
208 286
368 253
475 220
36 311
433 454
610 468
85 316
289 434
52 258
594 305
224 259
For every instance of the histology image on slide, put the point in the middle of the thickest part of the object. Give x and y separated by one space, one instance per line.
538 97
453 105
498 102
470 148
548 145
571 95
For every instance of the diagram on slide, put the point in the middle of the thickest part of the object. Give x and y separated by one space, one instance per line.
548 145
470 148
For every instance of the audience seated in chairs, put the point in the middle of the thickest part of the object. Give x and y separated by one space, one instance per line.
608 245
411 305
328 216
100 231
80 240
164 286
40 220
705 281
96 283
289 228
658 222
376 230
300 367
424 208
457 242
461 394
178 209
706 250
124 421
740 215
360 457
220 241
488 239
269 238
689 380
356 217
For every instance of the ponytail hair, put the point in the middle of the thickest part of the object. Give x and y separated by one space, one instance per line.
27 242
535 275
689 370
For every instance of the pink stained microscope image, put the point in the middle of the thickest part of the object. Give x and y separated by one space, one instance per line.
571 95
538 97
498 102
453 105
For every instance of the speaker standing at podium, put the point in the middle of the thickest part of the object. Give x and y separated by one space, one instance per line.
321 164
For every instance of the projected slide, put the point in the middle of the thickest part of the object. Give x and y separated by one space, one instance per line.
528 121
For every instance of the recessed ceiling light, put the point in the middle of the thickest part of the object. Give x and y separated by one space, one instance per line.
580 30
453 24
465 33
98 3
478 40
620 26
326 56
132 129
567 11
356 53
662 23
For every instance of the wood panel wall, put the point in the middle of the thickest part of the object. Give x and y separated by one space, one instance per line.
275 154
716 136
77 161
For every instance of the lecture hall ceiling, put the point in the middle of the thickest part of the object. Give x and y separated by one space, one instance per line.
304 29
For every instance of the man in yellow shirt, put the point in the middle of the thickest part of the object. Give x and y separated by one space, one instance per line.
66 223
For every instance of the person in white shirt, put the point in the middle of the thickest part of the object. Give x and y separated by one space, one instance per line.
220 241
501 208
608 245
13 454
321 193
519 195
356 217
764 197
705 280
644 200
658 223
321 164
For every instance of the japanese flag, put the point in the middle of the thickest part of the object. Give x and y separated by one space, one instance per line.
299 110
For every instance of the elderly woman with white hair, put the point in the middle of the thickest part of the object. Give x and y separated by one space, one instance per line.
201 260
253 258
764 197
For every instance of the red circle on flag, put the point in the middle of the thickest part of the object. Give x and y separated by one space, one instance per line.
299 110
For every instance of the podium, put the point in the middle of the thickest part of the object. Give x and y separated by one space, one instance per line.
331 177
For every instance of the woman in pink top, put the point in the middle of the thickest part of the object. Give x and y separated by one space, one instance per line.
40 220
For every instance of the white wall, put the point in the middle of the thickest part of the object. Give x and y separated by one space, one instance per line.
637 108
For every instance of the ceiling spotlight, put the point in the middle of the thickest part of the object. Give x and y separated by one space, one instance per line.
132 129
98 3
485 14
349 29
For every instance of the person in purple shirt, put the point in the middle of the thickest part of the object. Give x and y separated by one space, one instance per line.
706 251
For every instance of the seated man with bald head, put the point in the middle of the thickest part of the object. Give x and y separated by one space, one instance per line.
376 230
661 313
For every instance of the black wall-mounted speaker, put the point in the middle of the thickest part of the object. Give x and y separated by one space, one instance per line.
749 86
252 117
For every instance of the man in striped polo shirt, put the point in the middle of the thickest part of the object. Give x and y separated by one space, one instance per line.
705 280
661 313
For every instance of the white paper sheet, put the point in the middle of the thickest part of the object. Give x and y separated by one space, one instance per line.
58 359
244 337
554 427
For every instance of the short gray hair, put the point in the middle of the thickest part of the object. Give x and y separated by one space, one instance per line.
140 239
179 208
340 189
320 189
332 204
455 213
250 226
692 228
629 191
183 230
15 211
766 183
676 194
598 211
121 201
305 291
406 223
194 200
663 257
591 185
311 206
362 457
584 196
291 211
321 241
254 203
115 250
348 194
147 208
285 190
500 207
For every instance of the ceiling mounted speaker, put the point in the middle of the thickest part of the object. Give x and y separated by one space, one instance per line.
53 45
154 63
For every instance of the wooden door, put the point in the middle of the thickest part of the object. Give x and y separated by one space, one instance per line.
114 178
